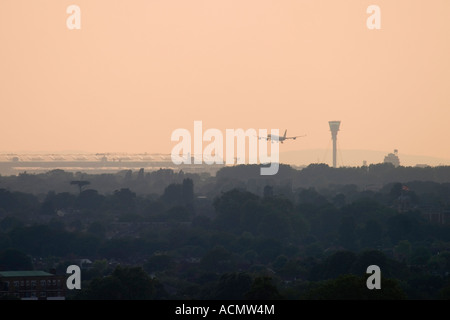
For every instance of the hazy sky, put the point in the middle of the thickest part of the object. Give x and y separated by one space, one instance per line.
139 69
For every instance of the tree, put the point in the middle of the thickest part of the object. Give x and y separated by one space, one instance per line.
117 248
218 259
13 259
395 191
422 286
229 207
5 241
275 225
420 256
158 262
97 228
444 293
403 250
352 287
371 257
7 200
47 208
80 184
312 197
279 263
125 283
177 213
188 192
90 200
268 191
347 233
339 200
172 194
337 264
63 200
372 234
124 199
9 223
267 248
263 288
99 269
232 286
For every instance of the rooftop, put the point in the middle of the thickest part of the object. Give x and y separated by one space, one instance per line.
24 274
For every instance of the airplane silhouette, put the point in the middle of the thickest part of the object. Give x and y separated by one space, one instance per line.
273 137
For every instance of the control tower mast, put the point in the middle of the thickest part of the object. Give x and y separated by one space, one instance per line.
334 128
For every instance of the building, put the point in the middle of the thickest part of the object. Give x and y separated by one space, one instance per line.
436 214
33 285
392 158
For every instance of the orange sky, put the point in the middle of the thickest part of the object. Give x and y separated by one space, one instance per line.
137 70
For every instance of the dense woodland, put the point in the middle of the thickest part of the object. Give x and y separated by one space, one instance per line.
301 234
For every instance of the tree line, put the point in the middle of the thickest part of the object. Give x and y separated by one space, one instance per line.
281 242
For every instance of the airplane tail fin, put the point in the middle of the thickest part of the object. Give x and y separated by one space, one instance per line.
285 131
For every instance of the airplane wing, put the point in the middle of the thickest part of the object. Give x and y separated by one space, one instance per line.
295 137
266 137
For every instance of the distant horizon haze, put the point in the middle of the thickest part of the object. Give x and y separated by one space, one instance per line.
299 157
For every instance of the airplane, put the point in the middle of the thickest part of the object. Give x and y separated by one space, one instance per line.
280 138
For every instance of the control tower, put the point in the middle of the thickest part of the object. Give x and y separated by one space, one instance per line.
334 128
